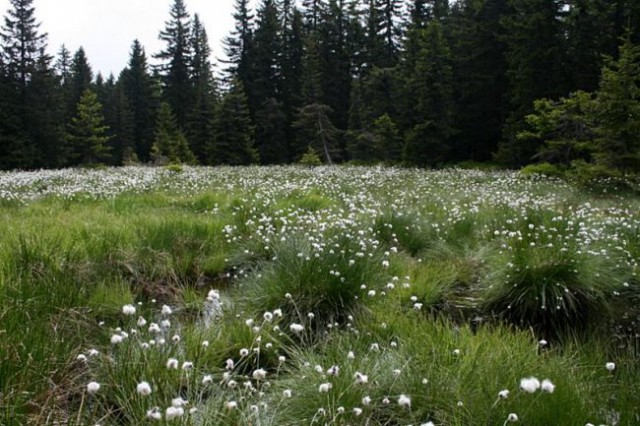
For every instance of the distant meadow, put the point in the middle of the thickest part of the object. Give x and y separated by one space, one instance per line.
293 295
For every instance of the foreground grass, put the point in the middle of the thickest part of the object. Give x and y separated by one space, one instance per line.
341 296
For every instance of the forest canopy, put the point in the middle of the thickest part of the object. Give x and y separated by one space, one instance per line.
416 83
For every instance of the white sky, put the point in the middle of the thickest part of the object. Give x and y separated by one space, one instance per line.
106 28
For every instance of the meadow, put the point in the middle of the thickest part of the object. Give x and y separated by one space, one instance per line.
326 295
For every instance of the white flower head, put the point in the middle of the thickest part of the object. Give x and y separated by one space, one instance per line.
296 328
512 418
530 384
129 310
244 352
172 363
178 402
324 387
404 401
286 393
334 370
357 411
207 379
366 400
259 374
172 413
187 365
93 387
230 364
154 414
547 386
116 339
361 379
610 366
143 388
166 310
503 394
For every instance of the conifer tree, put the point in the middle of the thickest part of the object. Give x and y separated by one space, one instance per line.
200 124
176 58
618 110
142 93
87 133
170 144
428 142
234 142
81 79
536 67
480 81
238 44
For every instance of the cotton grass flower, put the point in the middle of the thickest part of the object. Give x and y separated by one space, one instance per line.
172 413
143 388
357 411
166 310
172 363
547 386
154 414
530 384
116 339
179 402
404 401
361 379
129 310
512 418
503 394
286 393
259 374
610 366
207 379
93 387
296 328
324 387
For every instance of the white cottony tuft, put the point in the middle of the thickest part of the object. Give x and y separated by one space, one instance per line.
129 310
503 394
610 366
172 363
144 388
324 387
259 374
296 328
530 384
166 310
93 387
361 379
513 417
404 401
547 386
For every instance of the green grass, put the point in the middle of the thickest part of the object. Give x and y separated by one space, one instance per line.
441 284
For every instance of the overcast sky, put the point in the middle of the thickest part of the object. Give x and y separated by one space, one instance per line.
107 28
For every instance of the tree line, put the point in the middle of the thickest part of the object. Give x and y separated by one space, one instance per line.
421 83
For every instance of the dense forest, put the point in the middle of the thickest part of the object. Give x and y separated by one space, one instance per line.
418 83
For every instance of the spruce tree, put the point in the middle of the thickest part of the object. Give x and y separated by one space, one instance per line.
234 140
238 44
142 93
87 133
618 110
428 142
536 67
175 60
81 79
480 81
170 144
200 125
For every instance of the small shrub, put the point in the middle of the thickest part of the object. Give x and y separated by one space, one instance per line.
310 158
546 169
